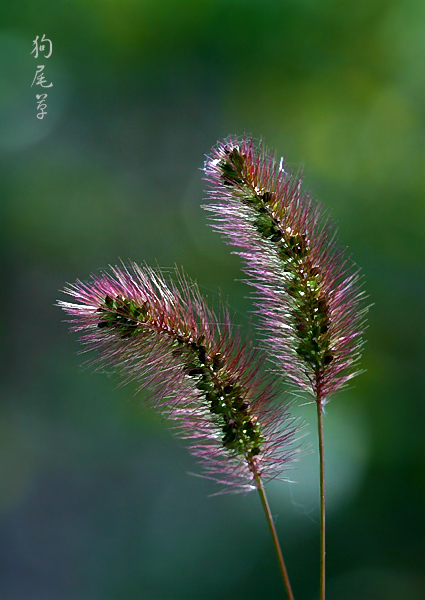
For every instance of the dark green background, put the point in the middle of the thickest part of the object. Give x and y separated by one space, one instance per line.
95 499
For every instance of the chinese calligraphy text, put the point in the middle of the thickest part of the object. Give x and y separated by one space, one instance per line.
39 77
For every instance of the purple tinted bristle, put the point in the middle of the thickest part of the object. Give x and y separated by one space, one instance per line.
201 375
307 292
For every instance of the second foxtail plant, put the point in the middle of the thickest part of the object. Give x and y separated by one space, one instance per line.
202 377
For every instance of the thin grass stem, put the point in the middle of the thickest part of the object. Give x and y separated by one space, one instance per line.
322 501
273 532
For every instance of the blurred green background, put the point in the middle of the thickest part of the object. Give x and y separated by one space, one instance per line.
95 499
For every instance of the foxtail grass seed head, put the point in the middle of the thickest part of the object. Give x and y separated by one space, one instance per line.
307 291
201 375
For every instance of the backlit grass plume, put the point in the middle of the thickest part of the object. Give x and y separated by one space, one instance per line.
200 374
307 291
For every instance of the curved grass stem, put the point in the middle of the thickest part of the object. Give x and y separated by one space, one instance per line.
272 528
